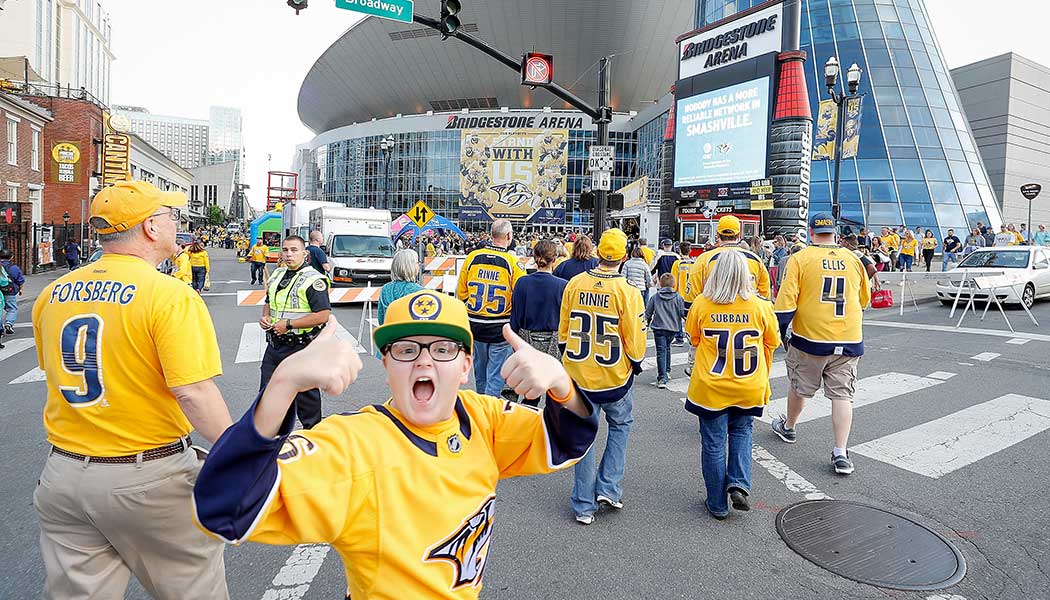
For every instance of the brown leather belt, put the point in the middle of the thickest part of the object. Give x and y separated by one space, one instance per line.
177 447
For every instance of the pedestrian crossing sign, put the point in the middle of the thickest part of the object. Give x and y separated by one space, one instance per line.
420 214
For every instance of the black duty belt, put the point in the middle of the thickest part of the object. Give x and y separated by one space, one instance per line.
292 339
177 447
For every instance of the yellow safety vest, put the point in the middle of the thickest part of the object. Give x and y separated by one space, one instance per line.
292 301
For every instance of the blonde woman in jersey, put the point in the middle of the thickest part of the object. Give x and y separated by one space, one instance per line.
735 332
183 271
404 490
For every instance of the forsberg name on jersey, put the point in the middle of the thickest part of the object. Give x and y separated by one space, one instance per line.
112 292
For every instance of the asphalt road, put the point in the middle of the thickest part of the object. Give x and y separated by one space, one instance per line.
951 430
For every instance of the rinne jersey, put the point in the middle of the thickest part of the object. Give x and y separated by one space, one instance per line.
602 331
486 284
823 294
409 509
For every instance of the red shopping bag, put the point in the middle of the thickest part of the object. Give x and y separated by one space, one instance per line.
882 299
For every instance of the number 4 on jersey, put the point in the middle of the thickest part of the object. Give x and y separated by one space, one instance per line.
834 292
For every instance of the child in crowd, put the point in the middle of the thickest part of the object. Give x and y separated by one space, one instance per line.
664 313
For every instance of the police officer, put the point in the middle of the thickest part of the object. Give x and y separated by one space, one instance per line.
296 309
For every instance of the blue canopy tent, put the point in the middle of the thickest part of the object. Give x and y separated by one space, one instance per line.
436 222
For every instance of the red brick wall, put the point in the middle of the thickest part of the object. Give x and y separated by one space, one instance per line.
78 122
21 174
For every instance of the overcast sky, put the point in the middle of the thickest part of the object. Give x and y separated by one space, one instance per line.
179 58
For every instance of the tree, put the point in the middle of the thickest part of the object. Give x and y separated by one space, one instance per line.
216 216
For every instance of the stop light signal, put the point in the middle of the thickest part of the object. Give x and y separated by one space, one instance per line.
586 201
298 5
537 69
449 20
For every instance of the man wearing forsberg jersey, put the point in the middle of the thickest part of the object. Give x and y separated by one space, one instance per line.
728 239
486 285
129 355
405 490
823 296
602 331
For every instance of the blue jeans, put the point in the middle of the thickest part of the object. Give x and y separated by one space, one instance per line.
949 256
663 339
607 480
10 308
907 260
713 459
488 360
200 274
257 272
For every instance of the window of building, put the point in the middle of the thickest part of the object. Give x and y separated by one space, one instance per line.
34 159
12 141
12 192
35 196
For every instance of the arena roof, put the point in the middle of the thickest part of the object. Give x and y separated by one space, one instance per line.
380 68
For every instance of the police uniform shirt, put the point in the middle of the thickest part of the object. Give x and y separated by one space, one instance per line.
316 294
822 296
409 509
701 269
486 286
602 332
113 338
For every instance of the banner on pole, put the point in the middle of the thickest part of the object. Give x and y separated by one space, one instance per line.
824 136
851 129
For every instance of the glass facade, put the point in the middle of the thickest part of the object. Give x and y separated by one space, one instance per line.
425 165
917 163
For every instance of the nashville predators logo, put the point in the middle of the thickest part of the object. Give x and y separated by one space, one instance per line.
467 548
454 443
425 307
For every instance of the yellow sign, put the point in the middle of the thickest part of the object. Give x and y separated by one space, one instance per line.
116 158
420 214
635 193
762 204
761 189
66 155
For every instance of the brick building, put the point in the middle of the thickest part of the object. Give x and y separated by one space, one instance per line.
23 162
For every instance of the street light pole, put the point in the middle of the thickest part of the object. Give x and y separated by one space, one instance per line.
831 74
601 207
387 146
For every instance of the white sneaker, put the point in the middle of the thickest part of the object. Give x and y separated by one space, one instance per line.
584 519
606 501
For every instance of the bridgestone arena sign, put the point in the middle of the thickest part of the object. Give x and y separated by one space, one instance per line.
515 122
759 34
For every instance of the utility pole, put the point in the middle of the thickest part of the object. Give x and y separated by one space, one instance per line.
601 197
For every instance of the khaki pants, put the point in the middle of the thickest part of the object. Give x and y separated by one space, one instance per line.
99 523
808 372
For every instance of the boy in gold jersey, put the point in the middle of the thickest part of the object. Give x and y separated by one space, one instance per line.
602 331
404 490
823 297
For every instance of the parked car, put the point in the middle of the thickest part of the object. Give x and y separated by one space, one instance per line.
183 237
1029 264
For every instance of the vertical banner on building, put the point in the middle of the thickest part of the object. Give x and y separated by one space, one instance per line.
116 150
851 130
516 174
824 136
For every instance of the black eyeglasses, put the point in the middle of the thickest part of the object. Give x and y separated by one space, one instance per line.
409 350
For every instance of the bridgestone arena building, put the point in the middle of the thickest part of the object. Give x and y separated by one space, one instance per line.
474 144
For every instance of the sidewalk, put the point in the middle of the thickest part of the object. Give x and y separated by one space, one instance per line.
36 284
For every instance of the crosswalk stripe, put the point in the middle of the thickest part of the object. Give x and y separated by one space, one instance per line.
868 390
986 356
13 347
677 358
253 343
33 375
949 443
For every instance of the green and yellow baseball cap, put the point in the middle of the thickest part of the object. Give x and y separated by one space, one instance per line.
425 313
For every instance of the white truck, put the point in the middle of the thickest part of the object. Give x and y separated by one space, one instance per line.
295 216
357 241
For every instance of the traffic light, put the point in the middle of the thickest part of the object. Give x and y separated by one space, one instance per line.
615 202
449 20
586 201
537 69
298 5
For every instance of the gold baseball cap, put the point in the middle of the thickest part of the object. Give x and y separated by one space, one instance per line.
612 245
729 225
125 204
425 313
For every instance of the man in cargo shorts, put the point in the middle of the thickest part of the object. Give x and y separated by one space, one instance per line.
823 295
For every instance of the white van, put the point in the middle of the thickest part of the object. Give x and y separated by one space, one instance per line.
357 241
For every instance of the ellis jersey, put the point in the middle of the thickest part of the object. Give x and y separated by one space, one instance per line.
734 349
409 509
112 337
602 332
486 284
823 295
680 270
701 269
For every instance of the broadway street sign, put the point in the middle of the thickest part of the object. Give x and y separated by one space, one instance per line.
397 10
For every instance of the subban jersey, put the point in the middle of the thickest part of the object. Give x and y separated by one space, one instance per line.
701 269
486 284
823 295
680 270
409 509
734 349
602 331
112 337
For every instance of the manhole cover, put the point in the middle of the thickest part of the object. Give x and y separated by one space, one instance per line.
870 545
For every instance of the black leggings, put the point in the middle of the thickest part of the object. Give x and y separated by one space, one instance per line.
927 256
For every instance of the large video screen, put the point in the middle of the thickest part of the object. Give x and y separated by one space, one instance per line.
720 136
